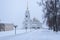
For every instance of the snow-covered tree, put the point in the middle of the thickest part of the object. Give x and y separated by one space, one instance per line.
52 14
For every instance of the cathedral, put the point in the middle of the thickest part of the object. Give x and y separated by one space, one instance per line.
31 23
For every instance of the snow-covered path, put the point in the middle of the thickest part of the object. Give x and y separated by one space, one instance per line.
34 35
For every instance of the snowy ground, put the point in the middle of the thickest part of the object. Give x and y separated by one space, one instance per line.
41 34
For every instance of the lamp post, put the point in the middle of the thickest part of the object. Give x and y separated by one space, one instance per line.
15 28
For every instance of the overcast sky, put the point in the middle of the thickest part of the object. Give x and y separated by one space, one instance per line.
13 11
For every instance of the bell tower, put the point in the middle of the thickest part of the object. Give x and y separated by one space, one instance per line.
27 17
27 14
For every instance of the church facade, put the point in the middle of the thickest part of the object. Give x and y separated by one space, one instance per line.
31 23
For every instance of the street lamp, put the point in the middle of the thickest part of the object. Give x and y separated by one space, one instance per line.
15 26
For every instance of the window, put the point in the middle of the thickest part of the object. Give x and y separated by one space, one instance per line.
26 16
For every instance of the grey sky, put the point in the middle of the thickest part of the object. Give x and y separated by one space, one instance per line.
13 11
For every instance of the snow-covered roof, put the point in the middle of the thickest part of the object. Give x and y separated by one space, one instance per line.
36 21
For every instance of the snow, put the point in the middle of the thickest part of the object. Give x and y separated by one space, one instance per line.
41 34
6 33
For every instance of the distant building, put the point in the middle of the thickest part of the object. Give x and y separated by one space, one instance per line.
31 24
6 27
35 24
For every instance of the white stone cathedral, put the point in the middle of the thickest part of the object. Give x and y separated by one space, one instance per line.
31 24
